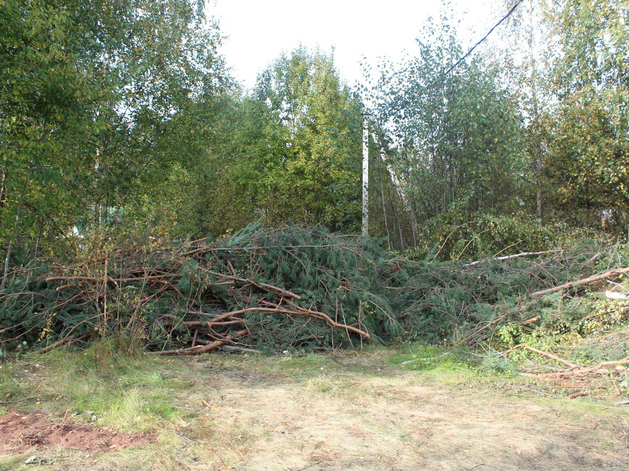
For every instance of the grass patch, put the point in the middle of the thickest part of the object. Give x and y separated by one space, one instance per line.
113 389
421 357
12 463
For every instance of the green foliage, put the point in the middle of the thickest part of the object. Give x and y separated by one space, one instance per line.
456 134
119 120
438 359
332 274
286 152
444 301
89 91
297 147
566 322
159 297
499 365
152 291
451 237
589 150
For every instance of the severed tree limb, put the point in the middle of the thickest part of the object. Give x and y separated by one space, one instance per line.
223 320
543 353
601 365
232 322
78 278
254 283
580 371
328 319
115 281
209 324
236 348
507 257
592 369
205 348
591 279
298 311
201 313
574 370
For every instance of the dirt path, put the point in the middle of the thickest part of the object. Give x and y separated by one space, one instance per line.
357 413
343 419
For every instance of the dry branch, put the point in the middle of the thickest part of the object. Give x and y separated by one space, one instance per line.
205 348
298 311
584 281
210 324
236 348
541 352
507 257
580 371
115 281
592 369
254 283
574 369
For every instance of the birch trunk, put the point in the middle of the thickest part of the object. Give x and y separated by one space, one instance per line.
365 175
7 259
398 188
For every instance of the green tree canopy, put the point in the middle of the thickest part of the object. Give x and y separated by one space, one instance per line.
457 133
88 90
313 123
294 153
590 150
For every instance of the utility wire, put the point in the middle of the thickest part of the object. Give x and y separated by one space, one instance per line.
486 36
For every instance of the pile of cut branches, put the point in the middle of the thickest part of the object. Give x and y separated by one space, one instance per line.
293 287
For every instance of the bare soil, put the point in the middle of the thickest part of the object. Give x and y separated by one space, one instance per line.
376 418
21 432
348 412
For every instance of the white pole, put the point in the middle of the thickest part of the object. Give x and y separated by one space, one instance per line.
365 174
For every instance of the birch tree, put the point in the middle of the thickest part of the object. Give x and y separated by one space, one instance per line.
300 144
87 91
590 151
457 134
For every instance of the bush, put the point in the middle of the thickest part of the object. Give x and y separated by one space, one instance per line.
448 237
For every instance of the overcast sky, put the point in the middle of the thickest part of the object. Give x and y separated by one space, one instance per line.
258 31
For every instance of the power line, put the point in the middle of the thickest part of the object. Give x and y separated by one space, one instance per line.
485 37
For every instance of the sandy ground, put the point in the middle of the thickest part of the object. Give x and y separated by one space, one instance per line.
343 419
356 414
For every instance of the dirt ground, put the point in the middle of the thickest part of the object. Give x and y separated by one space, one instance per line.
401 420
21 432
352 414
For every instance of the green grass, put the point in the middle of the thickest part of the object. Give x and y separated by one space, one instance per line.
427 358
101 385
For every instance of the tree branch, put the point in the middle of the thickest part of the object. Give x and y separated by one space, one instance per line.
584 281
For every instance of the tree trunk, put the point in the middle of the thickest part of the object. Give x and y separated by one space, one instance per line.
7 259
365 175
398 188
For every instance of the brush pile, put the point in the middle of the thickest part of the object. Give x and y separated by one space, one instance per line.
292 287
287 288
